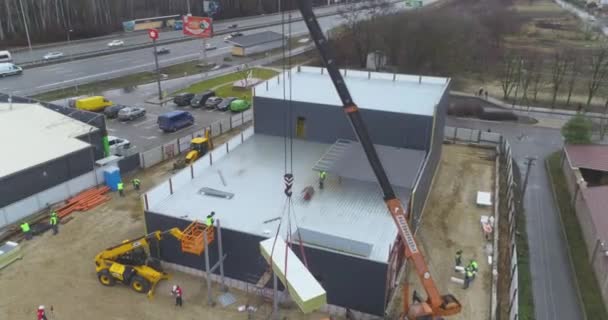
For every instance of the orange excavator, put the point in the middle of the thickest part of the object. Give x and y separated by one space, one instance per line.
436 305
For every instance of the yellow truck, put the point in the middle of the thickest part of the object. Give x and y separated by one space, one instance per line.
95 103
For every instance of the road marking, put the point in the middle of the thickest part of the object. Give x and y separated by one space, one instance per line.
110 129
150 137
144 122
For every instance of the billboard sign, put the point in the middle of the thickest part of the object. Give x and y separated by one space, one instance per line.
201 27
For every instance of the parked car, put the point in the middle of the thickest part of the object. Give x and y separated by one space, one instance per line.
116 43
239 105
163 51
9 69
200 99
175 120
131 113
225 104
212 102
118 144
94 103
210 46
111 112
233 26
53 55
183 99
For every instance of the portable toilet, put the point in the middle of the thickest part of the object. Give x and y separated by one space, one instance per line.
112 177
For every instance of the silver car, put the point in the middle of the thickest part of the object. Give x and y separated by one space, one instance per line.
131 113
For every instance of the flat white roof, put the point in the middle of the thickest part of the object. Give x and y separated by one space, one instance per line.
347 216
398 93
31 134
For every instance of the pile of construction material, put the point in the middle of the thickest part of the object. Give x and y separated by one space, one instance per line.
84 201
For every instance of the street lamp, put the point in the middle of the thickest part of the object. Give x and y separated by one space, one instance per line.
27 31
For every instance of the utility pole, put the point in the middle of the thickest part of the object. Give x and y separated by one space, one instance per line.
27 31
153 34
188 6
529 163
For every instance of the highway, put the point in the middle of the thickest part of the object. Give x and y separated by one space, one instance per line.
138 38
67 74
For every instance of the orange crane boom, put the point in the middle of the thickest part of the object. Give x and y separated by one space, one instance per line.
436 304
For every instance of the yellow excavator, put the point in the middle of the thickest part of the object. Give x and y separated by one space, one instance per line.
199 147
130 263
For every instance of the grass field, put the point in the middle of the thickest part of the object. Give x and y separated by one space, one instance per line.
585 277
223 84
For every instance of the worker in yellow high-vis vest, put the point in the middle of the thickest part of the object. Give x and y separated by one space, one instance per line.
54 221
121 189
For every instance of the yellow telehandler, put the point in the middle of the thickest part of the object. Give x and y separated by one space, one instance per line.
199 147
129 262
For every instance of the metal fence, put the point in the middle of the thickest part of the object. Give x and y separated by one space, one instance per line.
504 170
170 149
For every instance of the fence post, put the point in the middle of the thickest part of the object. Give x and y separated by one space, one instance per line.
162 152
220 122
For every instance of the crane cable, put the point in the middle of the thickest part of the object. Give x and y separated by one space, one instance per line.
288 177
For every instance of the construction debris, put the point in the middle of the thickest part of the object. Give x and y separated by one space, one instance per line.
216 193
84 201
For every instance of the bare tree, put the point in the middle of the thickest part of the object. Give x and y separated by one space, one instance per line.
528 76
560 65
574 70
599 72
511 66
537 76
363 31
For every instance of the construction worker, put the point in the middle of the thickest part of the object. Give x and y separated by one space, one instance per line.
25 228
177 292
322 176
54 222
121 188
474 267
458 258
209 221
41 314
468 277
136 183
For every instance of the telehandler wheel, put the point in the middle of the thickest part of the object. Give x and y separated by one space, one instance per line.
140 284
106 278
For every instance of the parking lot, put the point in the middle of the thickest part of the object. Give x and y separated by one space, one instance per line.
143 133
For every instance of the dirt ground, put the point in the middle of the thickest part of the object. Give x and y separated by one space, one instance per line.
59 271
450 223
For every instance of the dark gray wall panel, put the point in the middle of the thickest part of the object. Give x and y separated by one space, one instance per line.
326 124
350 282
23 184
432 161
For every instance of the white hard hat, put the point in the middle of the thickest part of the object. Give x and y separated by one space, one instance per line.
41 307
174 287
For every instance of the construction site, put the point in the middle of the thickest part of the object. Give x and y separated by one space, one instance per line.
325 206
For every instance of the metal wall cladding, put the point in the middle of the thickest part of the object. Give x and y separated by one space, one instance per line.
350 282
327 124
23 184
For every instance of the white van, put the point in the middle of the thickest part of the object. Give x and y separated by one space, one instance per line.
9 69
5 56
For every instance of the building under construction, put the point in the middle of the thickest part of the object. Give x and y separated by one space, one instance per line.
348 238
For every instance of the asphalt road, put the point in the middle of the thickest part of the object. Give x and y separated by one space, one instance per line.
554 291
62 75
136 38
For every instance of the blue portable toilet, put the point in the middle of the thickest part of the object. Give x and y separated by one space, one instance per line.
112 176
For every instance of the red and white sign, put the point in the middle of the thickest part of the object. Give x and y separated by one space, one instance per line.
153 34
201 27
